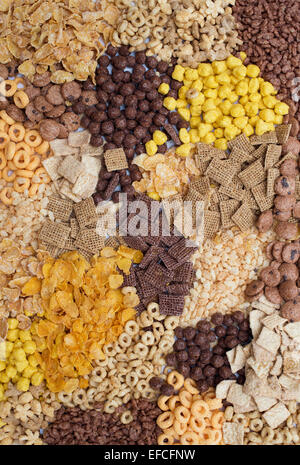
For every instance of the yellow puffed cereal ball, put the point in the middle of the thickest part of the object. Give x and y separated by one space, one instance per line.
210 116
261 127
209 104
233 62
253 86
239 71
266 88
223 79
278 119
23 384
211 82
164 88
267 115
183 150
219 133
29 371
221 144
241 122
248 130
178 73
170 103
19 355
253 120
281 108
270 101
197 84
12 323
187 83
243 100
199 100
237 110
225 121
251 108
12 335
194 136
11 371
203 129
225 107
184 113
37 379
33 362
233 97
256 97
196 110
205 69
151 147
184 136
241 88
20 366
182 91
3 377
2 365
230 132
261 105
224 91
8 347
29 347
180 103
191 74
210 93
243 56
253 71
195 121
219 66
24 335
209 138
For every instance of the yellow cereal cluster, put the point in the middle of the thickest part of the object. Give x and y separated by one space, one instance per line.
220 100
18 363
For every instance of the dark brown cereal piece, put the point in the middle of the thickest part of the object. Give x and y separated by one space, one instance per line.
56 111
277 251
289 168
41 80
296 210
264 221
171 304
49 129
70 120
71 91
270 276
157 275
269 250
15 113
185 273
284 202
178 289
285 185
288 290
286 230
54 95
151 254
33 114
41 104
254 287
169 262
137 243
89 97
3 72
291 311
288 271
292 145
272 294
282 215
291 253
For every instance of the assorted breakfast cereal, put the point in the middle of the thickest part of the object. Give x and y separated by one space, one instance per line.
149 222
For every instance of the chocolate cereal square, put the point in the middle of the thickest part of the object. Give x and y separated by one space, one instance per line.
171 304
157 276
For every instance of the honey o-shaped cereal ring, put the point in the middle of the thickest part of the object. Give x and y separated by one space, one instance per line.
197 424
23 146
24 173
41 176
8 88
33 138
175 379
165 420
174 402
209 395
4 139
8 174
34 163
6 118
182 414
211 436
217 420
10 150
189 439
3 126
200 408
33 189
21 184
179 428
3 161
162 402
185 398
43 148
16 132
21 99
21 159
165 439
191 386
5 196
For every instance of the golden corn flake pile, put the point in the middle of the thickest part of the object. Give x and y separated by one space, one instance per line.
42 34
84 308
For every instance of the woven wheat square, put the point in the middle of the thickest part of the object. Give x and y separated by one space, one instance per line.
61 208
90 241
288 156
91 150
201 185
227 209
51 165
267 138
253 175
54 233
209 150
242 143
74 225
70 169
61 148
78 139
69 244
221 171
239 157
273 174
86 213
234 192
250 200
297 190
272 155
283 132
202 164
264 201
211 224
244 217
115 160
112 242
260 151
